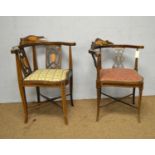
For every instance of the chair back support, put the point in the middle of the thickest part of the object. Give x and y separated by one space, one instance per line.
118 58
119 51
96 50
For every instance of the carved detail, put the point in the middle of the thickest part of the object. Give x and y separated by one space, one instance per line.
53 57
26 69
119 58
100 42
32 39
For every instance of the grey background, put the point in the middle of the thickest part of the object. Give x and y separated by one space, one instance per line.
82 30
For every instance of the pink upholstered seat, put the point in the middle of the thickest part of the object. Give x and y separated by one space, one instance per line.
117 75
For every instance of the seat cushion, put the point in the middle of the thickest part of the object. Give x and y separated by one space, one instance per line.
49 75
119 75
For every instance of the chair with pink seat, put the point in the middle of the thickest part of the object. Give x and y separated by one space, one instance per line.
118 75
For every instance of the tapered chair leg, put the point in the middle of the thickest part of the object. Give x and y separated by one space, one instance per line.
139 103
133 99
24 103
38 94
71 90
98 103
64 103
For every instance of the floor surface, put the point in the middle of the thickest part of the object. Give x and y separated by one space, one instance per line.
116 121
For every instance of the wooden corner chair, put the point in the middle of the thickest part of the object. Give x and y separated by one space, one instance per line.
117 76
52 76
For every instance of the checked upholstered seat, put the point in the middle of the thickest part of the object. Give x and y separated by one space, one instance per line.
48 75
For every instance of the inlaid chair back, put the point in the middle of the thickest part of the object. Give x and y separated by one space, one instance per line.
53 57
53 52
118 75
52 76
24 63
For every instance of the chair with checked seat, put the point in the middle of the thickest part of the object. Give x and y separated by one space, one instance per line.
52 76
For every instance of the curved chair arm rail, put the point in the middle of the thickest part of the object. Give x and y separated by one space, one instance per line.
117 46
92 50
16 49
47 43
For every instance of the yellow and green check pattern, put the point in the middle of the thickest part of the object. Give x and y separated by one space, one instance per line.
50 75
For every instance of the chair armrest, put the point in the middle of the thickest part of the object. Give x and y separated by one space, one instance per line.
47 43
68 43
119 46
15 50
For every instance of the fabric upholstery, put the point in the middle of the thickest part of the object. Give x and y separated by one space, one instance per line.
49 75
120 75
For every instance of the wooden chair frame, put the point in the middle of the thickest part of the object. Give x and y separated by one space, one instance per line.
62 84
95 51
